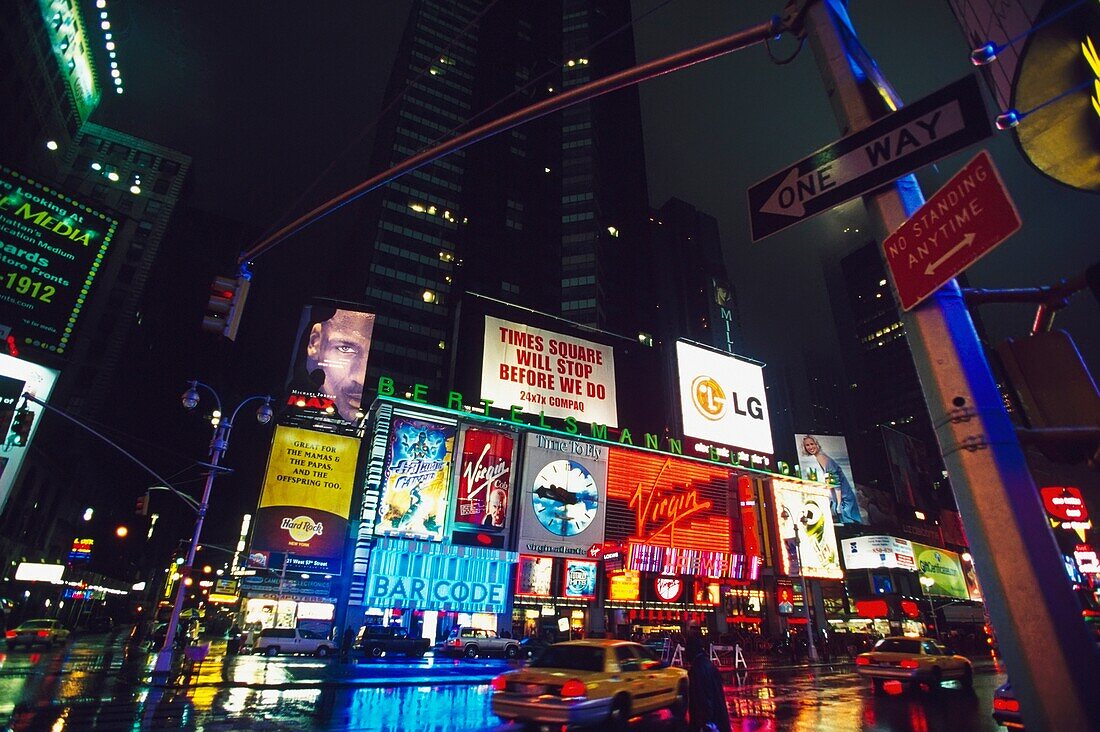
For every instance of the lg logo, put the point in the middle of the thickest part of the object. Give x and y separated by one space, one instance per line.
710 400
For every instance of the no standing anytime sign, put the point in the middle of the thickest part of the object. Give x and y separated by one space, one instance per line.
962 222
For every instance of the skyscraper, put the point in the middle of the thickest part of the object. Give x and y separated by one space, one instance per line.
550 215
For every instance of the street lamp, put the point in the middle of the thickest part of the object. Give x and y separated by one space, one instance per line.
926 583
218 446
811 637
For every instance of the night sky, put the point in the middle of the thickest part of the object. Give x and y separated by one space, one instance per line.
266 100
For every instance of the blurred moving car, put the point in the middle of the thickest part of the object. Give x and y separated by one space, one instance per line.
378 639
37 632
532 647
1006 708
597 682
913 660
474 642
101 624
273 641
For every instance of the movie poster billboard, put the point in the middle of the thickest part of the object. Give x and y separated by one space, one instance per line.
306 500
417 479
564 496
579 580
328 369
51 249
807 539
543 371
945 570
534 576
824 459
483 495
18 376
723 405
910 470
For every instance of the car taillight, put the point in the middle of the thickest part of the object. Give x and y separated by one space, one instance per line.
499 683
43 634
455 643
863 661
1006 705
9 634
574 688
909 663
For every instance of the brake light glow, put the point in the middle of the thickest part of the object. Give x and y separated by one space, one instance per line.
909 663
499 683
43 634
863 661
1006 705
574 688
9 634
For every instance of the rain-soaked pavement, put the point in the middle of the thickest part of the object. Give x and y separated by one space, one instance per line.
93 683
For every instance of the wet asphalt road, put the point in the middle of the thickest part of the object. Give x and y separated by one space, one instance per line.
90 685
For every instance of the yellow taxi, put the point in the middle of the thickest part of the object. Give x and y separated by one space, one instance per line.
590 682
913 660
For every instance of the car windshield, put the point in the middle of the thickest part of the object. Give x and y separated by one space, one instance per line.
575 658
897 645
38 624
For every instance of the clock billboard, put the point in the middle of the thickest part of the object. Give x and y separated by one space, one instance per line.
564 496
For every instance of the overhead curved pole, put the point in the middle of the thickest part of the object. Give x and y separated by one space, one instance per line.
613 82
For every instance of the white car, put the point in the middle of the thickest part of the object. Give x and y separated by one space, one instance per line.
37 632
273 641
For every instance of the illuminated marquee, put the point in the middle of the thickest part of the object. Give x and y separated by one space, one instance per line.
433 576
700 562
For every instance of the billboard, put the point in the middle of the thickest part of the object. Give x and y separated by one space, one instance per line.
943 568
306 500
483 495
542 371
417 479
16 377
722 401
807 539
875 552
534 576
665 501
438 576
564 492
579 579
824 459
328 368
51 248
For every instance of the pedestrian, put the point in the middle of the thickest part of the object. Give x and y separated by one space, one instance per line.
345 643
706 698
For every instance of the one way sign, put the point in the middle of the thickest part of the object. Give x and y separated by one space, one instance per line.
942 123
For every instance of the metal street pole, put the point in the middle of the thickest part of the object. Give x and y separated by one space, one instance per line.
811 647
1053 663
218 447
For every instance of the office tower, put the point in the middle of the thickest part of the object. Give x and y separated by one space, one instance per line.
549 215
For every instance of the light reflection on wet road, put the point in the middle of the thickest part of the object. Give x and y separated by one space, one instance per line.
85 686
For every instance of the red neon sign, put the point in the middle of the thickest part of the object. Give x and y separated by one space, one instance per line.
661 501
1065 503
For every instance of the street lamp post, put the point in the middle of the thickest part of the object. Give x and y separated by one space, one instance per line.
811 646
218 446
926 583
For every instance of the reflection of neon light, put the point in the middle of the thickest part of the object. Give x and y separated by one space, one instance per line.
1093 59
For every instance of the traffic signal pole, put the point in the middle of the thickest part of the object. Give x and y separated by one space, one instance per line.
1053 664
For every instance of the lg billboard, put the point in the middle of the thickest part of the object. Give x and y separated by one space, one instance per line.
723 404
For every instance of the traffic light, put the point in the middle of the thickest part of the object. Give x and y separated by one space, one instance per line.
141 506
21 425
225 305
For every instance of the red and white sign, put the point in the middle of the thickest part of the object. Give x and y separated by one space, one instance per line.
1065 503
1086 558
542 371
669 589
961 223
